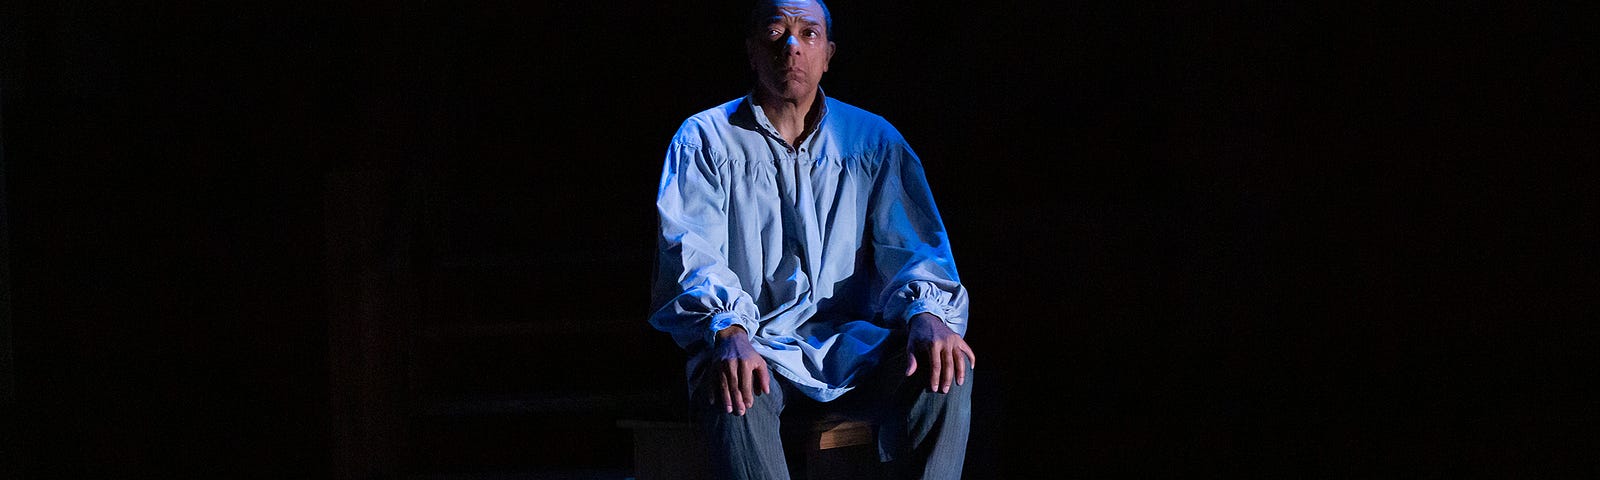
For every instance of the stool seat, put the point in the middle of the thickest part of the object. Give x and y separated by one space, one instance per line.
836 431
835 446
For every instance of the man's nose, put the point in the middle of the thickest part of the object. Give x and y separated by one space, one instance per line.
791 43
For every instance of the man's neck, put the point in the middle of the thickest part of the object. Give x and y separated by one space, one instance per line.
792 117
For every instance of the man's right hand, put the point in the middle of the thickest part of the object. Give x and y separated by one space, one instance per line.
741 372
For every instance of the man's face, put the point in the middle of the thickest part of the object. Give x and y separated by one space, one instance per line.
790 49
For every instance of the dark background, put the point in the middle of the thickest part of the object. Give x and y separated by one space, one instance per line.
397 239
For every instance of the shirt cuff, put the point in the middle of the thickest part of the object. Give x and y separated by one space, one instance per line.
725 319
926 305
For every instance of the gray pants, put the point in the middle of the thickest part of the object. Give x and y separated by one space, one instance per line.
921 434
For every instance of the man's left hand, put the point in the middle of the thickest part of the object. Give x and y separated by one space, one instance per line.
947 354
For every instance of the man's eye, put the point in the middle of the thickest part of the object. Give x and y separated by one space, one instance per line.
773 33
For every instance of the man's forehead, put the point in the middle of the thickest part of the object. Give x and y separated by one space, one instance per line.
809 11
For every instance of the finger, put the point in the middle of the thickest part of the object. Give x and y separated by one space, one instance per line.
738 394
765 378
972 358
751 378
935 368
911 357
949 371
961 373
724 391
746 393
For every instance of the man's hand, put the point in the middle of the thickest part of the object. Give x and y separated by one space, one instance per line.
740 371
947 354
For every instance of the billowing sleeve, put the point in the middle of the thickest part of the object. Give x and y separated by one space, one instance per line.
911 249
694 292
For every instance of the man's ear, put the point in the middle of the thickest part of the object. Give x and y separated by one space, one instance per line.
831 48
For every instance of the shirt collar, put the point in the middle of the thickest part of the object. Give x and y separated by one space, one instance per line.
754 111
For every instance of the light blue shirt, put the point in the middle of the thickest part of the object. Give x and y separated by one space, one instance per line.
815 249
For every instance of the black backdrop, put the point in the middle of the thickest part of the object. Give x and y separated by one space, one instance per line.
1325 240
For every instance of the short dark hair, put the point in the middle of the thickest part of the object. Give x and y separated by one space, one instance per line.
758 17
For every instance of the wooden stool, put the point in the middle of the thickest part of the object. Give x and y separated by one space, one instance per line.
841 447
834 446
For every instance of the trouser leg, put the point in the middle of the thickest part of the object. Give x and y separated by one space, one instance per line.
742 447
923 435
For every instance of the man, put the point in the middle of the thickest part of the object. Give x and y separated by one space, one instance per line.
802 259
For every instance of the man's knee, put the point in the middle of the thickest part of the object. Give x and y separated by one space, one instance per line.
706 397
